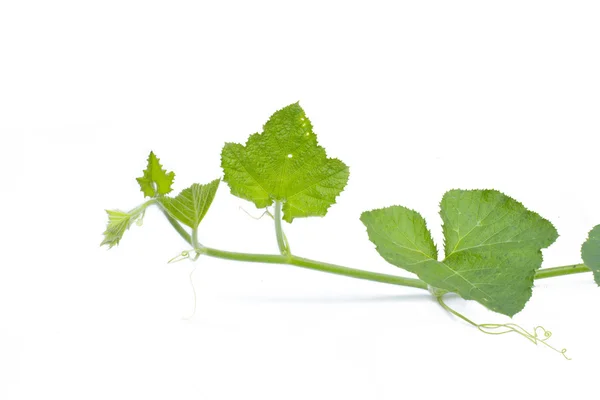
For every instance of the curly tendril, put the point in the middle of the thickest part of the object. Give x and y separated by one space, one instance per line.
539 334
186 255
266 212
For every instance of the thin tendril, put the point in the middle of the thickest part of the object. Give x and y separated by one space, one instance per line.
195 297
266 212
140 220
494 329
287 244
184 255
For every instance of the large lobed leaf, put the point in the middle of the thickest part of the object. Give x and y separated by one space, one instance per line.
590 252
192 203
285 163
492 246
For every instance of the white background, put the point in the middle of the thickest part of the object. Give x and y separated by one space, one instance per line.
416 97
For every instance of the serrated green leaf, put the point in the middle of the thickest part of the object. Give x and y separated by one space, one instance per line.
590 252
191 205
285 163
118 223
156 181
492 246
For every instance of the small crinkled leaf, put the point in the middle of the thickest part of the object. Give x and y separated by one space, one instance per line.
191 205
118 223
156 181
590 252
285 163
492 246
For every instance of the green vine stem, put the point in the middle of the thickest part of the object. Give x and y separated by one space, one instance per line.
182 232
315 265
289 259
560 271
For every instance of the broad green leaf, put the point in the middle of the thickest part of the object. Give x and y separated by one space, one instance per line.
192 203
492 246
118 223
156 181
590 252
285 163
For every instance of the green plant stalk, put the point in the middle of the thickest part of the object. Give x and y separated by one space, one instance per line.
281 242
182 232
560 271
290 259
142 207
315 265
194 238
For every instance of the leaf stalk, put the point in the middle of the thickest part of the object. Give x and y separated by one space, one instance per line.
281 240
